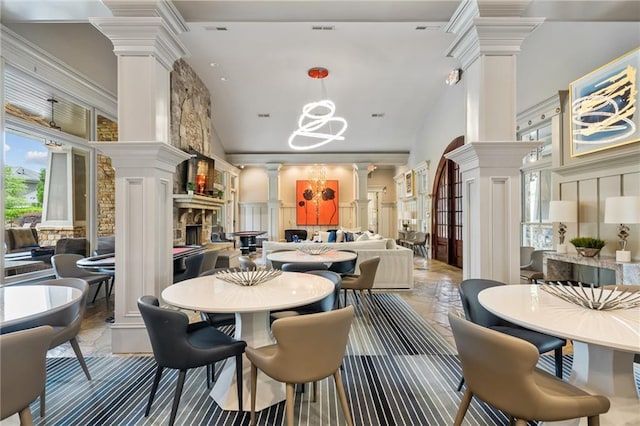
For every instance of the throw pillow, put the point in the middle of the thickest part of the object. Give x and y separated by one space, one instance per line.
324 236
348 237
339 236
332 237
363 237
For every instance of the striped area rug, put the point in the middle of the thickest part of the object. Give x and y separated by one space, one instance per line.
397 371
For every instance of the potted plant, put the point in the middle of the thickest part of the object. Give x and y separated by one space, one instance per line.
587 246
190 187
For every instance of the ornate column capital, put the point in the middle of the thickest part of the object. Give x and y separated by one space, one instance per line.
142 36
500 34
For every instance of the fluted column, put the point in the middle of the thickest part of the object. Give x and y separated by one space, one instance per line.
361 173
273 202
146 44
489 36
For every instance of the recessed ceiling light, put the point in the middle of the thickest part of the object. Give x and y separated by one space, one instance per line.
264 115
224 79
214 65
221 28
377 114
323 28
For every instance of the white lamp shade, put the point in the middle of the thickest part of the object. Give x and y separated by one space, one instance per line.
563 211
622 210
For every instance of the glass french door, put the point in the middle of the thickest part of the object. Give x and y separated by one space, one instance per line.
447 210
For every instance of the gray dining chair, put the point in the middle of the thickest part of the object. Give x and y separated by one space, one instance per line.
65 266
193 267
66 325
181 345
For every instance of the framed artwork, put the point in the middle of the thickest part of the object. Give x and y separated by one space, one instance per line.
317 202
604 106
408 183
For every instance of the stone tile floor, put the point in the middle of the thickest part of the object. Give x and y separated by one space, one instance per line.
435 292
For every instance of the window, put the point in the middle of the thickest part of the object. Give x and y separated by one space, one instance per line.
537 231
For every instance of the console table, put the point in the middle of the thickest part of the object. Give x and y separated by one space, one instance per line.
557 266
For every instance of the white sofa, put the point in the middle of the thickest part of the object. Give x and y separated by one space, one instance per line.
396 263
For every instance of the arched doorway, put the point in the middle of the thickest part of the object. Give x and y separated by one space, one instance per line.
447 209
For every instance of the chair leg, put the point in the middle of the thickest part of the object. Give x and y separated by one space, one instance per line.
558 357
593 420
464 406
373 301
289 404
96 293
512 421
315 390
113 282
254 383
460 384
106 294
365 306
76 349
176 397
345 297
154 388
208 373
25 417
239 380
43 396
337 377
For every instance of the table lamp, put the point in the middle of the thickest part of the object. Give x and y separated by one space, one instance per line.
563 211
623 211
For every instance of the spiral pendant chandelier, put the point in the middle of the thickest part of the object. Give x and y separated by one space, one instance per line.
317 125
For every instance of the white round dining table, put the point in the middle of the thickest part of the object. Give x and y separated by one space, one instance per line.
252 306
604 342
297 256
26 304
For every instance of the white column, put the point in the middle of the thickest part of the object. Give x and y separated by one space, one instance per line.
273 202
144 162
491 158
361 173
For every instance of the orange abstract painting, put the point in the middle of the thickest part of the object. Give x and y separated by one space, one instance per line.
317 202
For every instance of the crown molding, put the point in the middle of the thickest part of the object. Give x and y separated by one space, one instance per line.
284 158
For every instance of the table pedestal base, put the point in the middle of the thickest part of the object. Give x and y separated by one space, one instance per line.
255 329
608 372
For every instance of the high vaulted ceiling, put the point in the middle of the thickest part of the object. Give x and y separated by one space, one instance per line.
386 60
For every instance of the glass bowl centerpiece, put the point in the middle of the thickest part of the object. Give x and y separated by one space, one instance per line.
587 246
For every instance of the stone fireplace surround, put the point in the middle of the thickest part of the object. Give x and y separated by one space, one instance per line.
194 216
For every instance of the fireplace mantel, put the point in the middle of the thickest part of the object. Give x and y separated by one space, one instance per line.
186 201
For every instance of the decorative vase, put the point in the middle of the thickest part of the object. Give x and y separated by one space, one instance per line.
587 252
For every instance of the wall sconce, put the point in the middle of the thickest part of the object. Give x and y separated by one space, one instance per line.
454 77
623 211
563 211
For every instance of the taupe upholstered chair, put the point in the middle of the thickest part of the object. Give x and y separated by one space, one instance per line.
246 264
501 370
64 265
309 348
362 282
23 370
533 271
